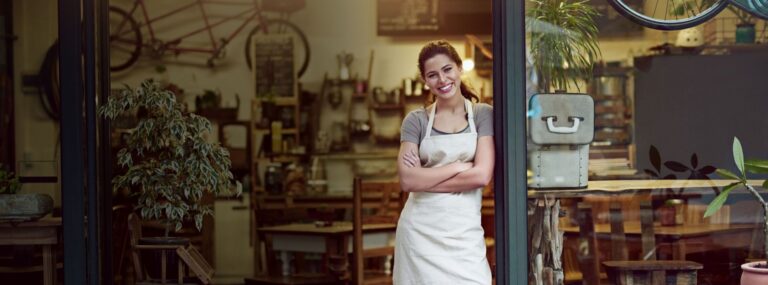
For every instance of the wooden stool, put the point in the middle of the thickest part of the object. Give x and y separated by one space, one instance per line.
676 272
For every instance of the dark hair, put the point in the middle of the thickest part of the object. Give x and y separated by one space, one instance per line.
434 48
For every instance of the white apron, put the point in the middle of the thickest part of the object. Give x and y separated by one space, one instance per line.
439 237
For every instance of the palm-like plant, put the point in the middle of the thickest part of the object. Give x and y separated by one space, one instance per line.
567 54
168 159
758 166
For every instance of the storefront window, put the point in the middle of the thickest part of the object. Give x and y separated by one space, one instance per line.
625 133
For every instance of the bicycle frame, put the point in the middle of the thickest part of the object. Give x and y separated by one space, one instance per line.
173 45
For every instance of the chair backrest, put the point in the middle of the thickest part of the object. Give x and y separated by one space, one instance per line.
588 260
134 233
239 153
618 237
384 199
381 201
121 236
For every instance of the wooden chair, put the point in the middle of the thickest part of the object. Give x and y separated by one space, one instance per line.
648 270
239 154
586 255
187 254
121 237
384 201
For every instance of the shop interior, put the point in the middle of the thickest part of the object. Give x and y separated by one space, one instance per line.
307 98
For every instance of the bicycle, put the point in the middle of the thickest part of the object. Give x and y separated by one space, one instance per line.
672 15
126 39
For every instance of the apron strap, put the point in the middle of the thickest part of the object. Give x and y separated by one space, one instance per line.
431 120
470 116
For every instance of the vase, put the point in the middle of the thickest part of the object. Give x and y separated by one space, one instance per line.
745 33
24 207
752 275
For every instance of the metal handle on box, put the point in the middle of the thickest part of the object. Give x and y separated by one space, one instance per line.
563 130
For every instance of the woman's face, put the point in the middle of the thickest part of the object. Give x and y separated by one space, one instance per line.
442 75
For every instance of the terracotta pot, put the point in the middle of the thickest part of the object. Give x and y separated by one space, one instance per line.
751 275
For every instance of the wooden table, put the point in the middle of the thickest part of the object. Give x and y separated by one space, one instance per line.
684 239
42 232
335 240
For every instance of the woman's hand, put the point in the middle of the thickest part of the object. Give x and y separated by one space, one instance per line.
412 159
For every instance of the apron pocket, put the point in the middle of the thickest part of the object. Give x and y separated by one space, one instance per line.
442 232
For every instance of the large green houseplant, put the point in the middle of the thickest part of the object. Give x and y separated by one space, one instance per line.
170 165
567 51
754 272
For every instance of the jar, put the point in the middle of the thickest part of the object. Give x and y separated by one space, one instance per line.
273 179
671 213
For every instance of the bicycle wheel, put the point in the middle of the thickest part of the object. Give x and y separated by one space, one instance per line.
277 26
124 39
668 14
758 8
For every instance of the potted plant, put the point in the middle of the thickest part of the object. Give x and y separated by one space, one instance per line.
563 43
753 272
15 206
170 165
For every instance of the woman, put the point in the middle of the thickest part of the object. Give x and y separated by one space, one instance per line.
446 158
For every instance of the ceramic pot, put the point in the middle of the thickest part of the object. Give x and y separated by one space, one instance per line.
745 33
25 207
751 275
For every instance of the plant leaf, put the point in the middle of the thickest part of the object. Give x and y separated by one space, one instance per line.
694 161
765 184
718 202
756 165
651 173
738 155
707 170
676 166
655 158
727 174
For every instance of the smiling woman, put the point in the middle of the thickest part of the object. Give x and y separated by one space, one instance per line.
446 158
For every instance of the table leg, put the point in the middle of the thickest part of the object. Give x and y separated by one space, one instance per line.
286 263
49 266
679 252
336 249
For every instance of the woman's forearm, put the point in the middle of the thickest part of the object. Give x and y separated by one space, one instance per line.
474 178
420 179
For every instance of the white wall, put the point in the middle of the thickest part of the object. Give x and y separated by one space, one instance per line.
35 24
332 26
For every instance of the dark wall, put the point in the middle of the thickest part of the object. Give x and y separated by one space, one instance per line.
688 104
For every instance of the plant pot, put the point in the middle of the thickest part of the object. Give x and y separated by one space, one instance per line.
752 275
24 207
745 33
152 259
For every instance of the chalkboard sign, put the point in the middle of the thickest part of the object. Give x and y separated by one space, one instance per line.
274 70
433 17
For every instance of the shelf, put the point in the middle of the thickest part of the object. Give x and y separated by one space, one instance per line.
286 101
608 97
361 96
611 123
387 107
349 155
